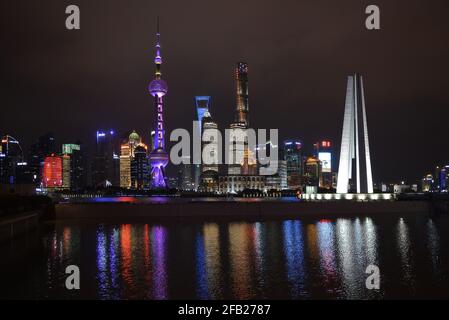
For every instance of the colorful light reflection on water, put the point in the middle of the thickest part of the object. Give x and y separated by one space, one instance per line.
291 259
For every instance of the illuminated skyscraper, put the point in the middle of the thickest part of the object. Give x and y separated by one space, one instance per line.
106 165
140 172
125 166
202 105
312 172
241 122
427 183
44 146
127 156
323 151
158 156
211 143
350 147
242 110
293 157
77 165
10 156
66 172
52 172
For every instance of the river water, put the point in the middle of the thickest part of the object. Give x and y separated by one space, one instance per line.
291 259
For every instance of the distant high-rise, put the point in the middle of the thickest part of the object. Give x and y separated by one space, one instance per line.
354 125
185 181
125 166
241 122
106 165
210 127
140 172
127 149
312 172
202 105
44 146
66 161
158 156
441 178
323 151
11 156
293 157
427 183
242 108
77 165
52 177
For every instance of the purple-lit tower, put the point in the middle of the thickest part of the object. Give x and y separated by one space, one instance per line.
158 156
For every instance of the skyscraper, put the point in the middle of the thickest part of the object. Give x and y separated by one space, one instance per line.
210 127
140 172
242 110
77 165
10 156
312 171
241 122
127 149
52 172
66 164
106 165
350 146
125 166
202 105
293 157
323 151
158 156
44 146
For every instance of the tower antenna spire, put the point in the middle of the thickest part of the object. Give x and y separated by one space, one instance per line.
158 58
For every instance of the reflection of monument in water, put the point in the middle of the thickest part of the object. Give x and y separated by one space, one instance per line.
158 156
351 149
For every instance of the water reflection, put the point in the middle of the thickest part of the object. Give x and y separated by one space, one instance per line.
213 266
159 270
433 246
404 248
327 255
289 259
240 260
294 255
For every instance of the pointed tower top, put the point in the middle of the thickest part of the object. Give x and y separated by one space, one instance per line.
158 58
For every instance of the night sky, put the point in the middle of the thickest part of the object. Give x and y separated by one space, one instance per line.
299 54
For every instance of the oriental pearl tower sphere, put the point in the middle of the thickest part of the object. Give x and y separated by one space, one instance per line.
158 157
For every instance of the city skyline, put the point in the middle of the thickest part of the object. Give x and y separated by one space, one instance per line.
282 103
232 157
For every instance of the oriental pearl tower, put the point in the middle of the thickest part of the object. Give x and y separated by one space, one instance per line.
158 156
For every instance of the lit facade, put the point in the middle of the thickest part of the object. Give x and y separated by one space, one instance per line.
66 185
241 122
125 166
52 172
312 172
324 152
128 150
427 183
238 183
293 158
353 128
140 170
210 144
77 165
